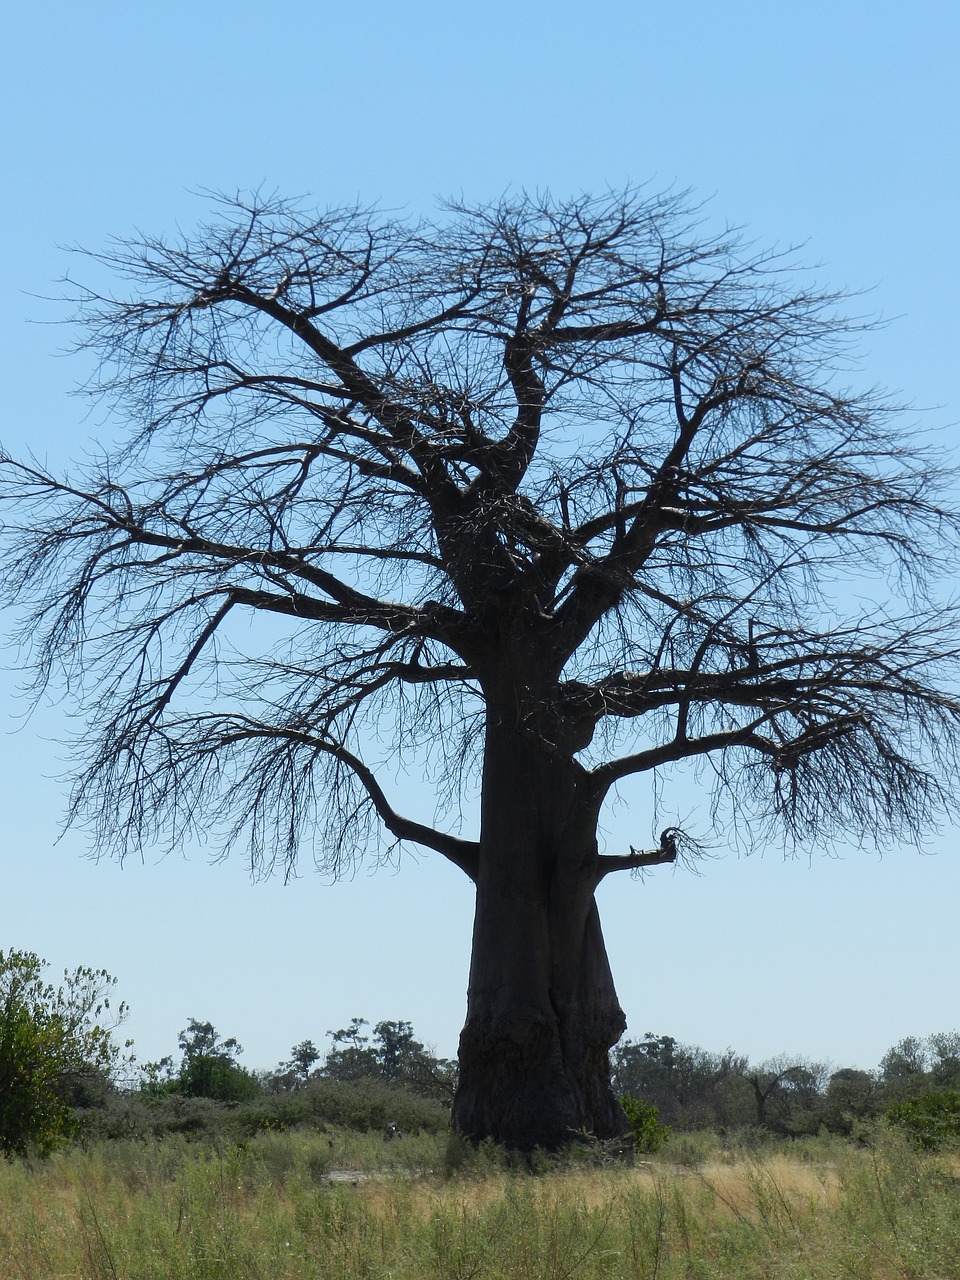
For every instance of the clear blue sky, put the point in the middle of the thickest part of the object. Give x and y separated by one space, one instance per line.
832 125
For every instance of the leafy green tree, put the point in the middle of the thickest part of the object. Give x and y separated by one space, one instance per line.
209 1067
905 1060
293 1074
931 1120
919 1064
904 1068
351 1056
798 1105
397 1050
53 1040
403 1059
304 1057
787 1093
944 1051
393 1054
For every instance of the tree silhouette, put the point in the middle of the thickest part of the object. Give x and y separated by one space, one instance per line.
539 494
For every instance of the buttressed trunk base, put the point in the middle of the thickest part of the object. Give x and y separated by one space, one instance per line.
542 1012
534 1064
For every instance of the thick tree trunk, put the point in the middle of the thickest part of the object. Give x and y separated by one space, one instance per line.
542 1011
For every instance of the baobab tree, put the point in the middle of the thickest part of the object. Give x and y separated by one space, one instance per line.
541 494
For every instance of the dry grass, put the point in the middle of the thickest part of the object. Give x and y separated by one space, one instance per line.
797 1185
270 1211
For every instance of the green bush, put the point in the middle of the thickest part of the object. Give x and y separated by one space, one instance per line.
147 1117
209 1077
931 1120
361 1105
649 1134
55 1047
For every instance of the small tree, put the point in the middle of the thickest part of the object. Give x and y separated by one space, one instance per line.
787 1092
51 1040
903 1068
558 493
800 1103
393 1055
852 1098
944 1048
351 1056
209 1067
918 1065
303 1058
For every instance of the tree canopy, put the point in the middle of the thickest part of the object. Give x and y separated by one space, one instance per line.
541 494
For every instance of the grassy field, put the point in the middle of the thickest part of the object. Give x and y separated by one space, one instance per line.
293 1206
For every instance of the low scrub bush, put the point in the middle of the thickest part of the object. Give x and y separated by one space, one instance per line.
145 1117
362 1105
649 1135
930 1121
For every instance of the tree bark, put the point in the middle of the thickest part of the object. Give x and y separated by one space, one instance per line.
542 1012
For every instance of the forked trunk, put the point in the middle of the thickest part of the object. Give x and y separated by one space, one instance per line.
542 1011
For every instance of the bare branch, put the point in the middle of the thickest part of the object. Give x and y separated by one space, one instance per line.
675 845
578 468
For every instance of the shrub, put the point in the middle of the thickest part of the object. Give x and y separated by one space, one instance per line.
649 1134
361 1105
55 1047
931 1120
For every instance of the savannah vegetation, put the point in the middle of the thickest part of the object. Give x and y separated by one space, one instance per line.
345 1163
542 495
66 1079
321 1202
666 1089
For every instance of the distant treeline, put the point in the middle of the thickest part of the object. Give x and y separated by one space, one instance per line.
63 1076
386 1082
695 1089
375 1077
208 1066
